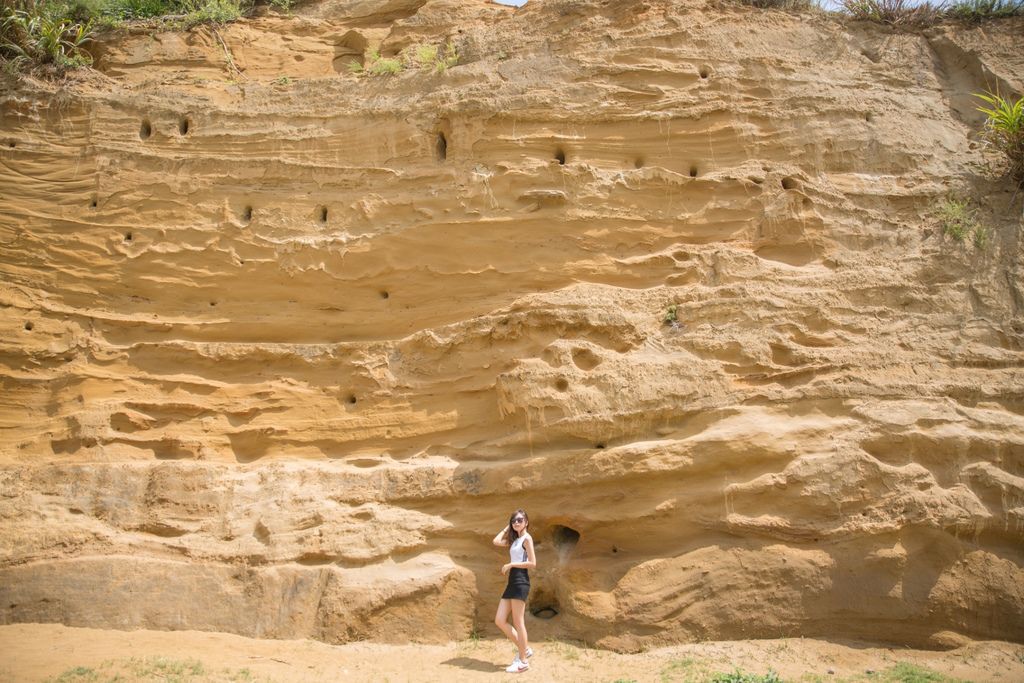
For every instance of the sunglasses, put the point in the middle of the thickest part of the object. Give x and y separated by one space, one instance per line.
518 520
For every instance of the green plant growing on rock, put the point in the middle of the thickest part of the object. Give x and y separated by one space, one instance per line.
1004 130
430 57
956 218
671 316
981 237
376 65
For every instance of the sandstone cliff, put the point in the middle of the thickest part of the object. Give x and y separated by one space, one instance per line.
284 345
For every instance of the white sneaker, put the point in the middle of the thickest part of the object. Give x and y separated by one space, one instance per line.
529 652
517 667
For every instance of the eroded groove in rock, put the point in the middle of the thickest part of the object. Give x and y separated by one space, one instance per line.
279 354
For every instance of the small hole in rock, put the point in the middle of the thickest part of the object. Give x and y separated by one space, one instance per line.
639 163
442 147
146 129
12 144
183 126
546 612
213 303
756 181
705 71
869 117
93 203
562 384
247 213
29 326
693 171
599 445
790 183
615 549
351 399
323 214
560 156
384 295
127 237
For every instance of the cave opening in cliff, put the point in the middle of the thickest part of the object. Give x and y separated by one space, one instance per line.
639 163
247 214
93 203
564 539
693 171
562 384
543 603
29 326
441 146
183 125
146 129
790 183
560 156
322 214
705 71
128 237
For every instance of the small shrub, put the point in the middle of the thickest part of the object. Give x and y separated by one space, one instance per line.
1004 131
977 11
957 219
902 13
671 316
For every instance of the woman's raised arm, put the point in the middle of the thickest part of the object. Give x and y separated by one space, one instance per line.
501 538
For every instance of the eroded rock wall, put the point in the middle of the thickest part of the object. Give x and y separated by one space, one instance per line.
283 345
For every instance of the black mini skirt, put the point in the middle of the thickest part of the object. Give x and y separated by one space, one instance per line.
518 584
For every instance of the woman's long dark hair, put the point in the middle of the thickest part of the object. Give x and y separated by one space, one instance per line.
512 533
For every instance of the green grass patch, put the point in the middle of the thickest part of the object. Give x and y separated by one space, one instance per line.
155 669
956 219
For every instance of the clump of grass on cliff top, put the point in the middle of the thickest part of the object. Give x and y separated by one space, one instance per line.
901 13
1004 131
977 11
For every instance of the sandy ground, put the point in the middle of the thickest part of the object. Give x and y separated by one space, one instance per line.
36 652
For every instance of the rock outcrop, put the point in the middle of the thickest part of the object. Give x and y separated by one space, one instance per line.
283 345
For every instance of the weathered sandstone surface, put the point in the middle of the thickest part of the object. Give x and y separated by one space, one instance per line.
282 346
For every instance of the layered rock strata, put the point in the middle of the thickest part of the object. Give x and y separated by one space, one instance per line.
283 344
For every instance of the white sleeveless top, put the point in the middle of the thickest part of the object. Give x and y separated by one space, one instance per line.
516 551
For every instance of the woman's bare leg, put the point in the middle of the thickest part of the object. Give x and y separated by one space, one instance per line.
501 620
519 619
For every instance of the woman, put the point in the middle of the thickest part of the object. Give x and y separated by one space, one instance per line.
513 600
